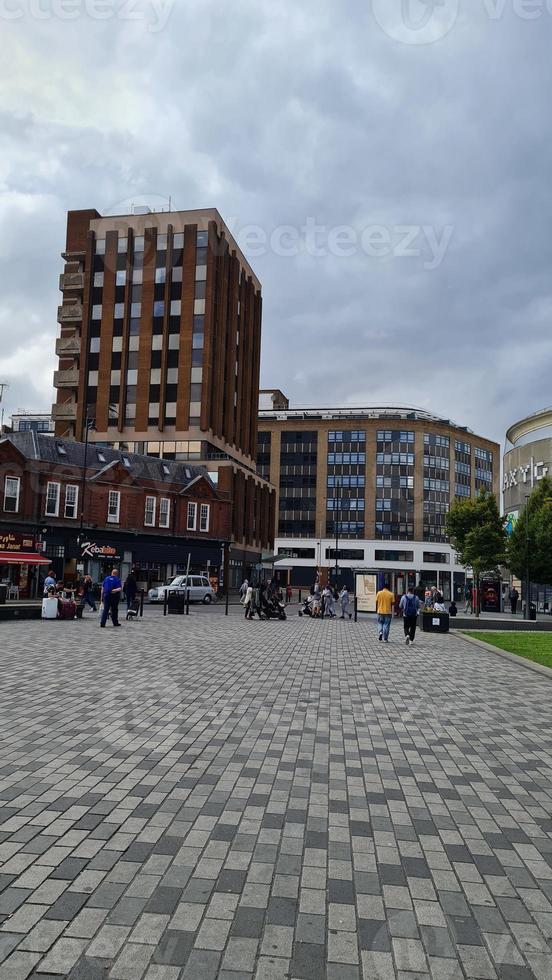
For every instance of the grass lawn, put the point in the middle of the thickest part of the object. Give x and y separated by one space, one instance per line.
532 646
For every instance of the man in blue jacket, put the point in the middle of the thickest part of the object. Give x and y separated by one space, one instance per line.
410 606
111 594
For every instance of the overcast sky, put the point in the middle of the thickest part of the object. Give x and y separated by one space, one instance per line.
386 165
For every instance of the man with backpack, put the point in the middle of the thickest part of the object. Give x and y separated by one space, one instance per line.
409 606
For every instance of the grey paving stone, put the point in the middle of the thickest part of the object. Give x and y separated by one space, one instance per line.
18 966
308 962
240 955
271 968
132 962
202 965
8 942
311 929
174 947
43 936
63 956
338 793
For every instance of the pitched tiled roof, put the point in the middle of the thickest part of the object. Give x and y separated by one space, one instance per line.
39 446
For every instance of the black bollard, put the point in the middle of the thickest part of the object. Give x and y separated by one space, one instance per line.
141 602
299 595
165 602
227 598
356 609
188 601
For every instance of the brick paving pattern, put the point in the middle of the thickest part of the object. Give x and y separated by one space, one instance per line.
190 799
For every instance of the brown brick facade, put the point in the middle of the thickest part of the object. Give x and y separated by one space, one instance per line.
169 366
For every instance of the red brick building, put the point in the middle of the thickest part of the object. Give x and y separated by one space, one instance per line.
92 507
160 341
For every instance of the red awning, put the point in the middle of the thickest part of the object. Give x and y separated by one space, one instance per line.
23 558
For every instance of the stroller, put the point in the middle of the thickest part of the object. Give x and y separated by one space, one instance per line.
274 608
133 609
309 607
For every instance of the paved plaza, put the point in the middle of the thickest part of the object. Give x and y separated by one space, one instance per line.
199 798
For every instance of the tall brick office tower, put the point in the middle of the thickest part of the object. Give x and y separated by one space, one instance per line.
160 347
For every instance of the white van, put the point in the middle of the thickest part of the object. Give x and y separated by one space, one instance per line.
200 589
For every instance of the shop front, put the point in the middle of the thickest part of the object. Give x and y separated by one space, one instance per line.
157 562
21 561
155 559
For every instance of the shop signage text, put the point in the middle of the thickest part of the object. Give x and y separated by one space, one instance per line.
531 473
89 549
16 542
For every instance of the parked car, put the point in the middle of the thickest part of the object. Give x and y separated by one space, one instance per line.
200 589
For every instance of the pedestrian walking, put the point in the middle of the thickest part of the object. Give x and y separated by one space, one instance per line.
514 596
248 602
410 606
327 596
385 601
87 593
243 588
130 588
289 594
469 604
344 602
112 588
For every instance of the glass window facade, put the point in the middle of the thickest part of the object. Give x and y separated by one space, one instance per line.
298 462
436 486
263 454
346 479
394 507
483 469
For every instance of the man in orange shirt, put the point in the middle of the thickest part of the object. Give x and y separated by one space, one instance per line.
385 601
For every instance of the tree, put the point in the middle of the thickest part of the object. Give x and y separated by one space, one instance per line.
477 532
530 544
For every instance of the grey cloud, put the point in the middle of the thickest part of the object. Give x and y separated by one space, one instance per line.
278 113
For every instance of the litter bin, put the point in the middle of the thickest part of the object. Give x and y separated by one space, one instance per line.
3 594
435 622
532 611
176 603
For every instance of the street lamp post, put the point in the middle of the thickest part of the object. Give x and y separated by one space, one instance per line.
336 518
528 581
88 424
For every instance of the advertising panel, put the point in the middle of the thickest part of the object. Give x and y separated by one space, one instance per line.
490 595
366 587
511 521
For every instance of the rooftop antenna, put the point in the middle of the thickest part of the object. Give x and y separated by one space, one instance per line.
170 199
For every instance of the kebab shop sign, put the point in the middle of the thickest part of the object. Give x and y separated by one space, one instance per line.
99 552
16 543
